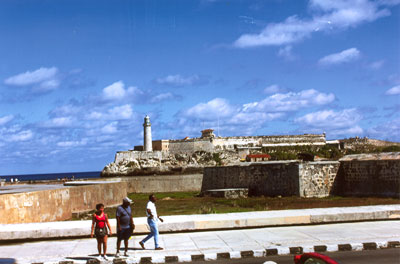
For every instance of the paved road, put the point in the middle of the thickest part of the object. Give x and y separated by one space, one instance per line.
187 244
383 256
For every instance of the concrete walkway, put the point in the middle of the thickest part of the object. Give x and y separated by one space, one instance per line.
190 223
218 244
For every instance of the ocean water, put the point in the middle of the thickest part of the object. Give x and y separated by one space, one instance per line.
53 176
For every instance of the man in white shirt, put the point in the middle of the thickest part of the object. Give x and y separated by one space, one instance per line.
152 221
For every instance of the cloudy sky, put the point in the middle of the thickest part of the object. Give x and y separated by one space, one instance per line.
78 77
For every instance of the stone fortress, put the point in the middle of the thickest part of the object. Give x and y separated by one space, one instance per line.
219 159
210 143
192 154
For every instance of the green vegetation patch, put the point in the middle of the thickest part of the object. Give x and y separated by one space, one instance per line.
181 203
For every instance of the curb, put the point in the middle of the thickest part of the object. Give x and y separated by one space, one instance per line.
295 250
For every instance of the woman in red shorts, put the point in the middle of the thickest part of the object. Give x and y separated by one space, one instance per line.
99 229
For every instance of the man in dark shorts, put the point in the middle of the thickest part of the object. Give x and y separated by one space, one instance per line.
125 225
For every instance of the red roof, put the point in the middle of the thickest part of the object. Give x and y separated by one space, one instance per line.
256 156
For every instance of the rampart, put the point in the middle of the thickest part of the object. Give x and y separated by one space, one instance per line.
211 144
60 204
354 175
285 178
370 175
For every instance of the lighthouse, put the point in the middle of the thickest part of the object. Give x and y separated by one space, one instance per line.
147 144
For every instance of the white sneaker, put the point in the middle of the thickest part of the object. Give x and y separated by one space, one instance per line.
116 255
105 257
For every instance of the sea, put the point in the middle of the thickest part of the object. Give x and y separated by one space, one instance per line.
53 176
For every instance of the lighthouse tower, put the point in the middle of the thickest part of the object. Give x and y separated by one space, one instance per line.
147 144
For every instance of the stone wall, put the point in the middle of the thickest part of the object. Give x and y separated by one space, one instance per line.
167 183
59 204
190 146
270 178
123 156
285 178
354 175
317 178
229 143
369 175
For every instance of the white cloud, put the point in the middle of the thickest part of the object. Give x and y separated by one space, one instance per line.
20 136
217 107
59 122
272 89
114 91
331 119
341 57
162 97
290 101
326 15
110 128
178 80
69 144
94 115
5 119
286 52
394 90
41 75
334 123
388 130
117 91
256 119
120 112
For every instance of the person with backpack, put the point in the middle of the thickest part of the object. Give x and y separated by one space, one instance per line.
99 229
125 224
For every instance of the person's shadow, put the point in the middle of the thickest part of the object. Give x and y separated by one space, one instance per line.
131 248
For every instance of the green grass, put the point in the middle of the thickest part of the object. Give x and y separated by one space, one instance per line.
180 203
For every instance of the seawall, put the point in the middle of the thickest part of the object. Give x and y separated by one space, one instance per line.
59 204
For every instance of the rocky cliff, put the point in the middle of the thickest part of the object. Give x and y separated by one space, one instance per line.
145 163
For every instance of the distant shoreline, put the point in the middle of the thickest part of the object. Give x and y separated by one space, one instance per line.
52 176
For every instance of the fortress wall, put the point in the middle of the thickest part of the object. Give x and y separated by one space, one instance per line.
305 179
167 183
308 138
58 204
269 178
317 178
369 178
229 143
190 146
126 156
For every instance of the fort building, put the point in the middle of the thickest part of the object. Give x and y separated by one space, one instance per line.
242 144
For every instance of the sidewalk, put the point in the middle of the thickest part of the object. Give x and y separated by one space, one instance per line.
218 244
190 223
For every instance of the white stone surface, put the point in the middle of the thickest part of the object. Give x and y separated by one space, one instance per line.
210 256
211 242
184 258
357 246
259 253
214 221
235 254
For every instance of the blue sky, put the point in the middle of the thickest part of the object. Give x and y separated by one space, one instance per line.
78 77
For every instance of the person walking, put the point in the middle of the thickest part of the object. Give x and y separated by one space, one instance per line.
152 221
99 229
125 224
